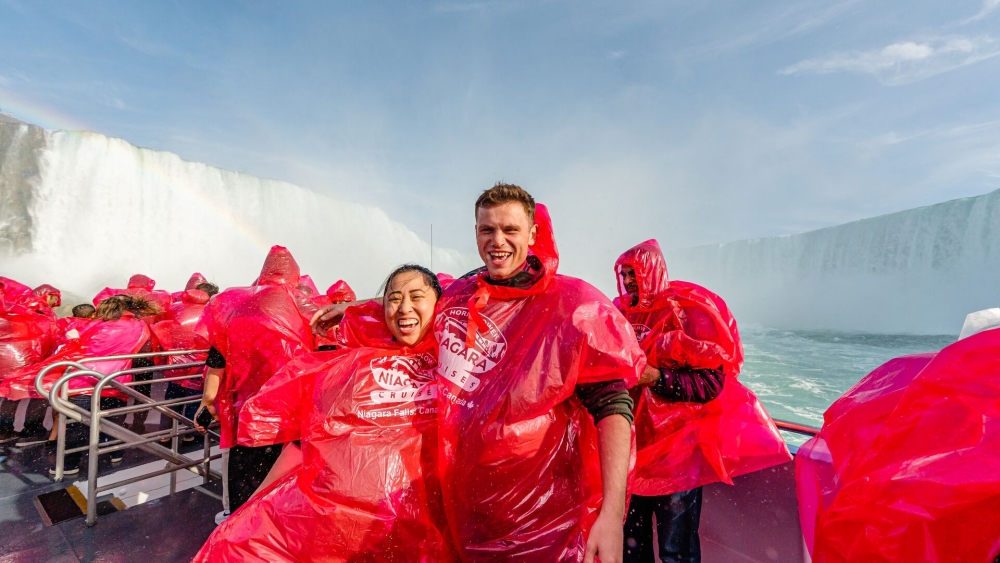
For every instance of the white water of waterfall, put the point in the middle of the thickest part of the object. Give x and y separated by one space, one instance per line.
102 209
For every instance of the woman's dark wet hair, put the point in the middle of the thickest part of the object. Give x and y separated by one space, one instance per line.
209 288
112 308
84 311
429 278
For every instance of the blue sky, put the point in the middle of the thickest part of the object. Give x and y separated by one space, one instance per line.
693 122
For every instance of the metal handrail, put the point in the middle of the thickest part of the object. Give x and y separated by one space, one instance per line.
58 396
795 427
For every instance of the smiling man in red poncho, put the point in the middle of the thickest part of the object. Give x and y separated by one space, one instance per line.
524 354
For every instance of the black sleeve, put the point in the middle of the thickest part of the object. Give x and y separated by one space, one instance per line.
605 399
215 359
689 385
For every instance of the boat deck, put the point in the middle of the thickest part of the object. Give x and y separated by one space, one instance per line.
756 521
167 529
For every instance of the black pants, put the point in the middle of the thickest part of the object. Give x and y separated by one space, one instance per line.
144 389
175 391
247 469
34 418
677 518
78 433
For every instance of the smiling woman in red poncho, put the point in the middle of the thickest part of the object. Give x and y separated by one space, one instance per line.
365 415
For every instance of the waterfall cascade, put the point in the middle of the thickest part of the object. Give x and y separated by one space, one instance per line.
915 271
83 211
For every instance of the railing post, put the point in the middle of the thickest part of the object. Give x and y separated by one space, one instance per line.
95 444
207 444
61 437
173 447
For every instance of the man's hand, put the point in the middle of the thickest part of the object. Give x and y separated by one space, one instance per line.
614 445
606 539
649 376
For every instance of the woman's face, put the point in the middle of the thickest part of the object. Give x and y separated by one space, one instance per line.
409 307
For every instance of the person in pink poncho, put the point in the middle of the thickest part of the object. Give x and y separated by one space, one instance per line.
29 333
119 330
175 330
366 489
139 285
253 332
906 465
695 423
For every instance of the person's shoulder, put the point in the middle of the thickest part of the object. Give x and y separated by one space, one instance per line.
694 292
576 289
462 286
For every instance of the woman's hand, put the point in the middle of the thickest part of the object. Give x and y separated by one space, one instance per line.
208 407
323 319
213 377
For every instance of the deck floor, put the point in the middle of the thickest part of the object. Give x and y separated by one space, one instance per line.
166 529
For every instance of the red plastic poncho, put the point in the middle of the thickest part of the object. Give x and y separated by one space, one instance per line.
127 335
193 282
12 291
339 292
70 328
366 490
258 330
307 286
139 285
850 426
25 338
43 291
141 281
519 465
445 279
177 331
926 489
15 297
684 445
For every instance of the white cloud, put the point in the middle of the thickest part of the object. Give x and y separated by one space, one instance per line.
794 20
989 6
904 62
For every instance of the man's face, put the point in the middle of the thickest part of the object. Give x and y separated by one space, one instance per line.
630 283
503 235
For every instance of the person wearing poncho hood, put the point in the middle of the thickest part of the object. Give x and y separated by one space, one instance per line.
695 424
252 332
523 353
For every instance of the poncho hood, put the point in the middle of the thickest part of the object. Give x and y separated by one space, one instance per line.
646 259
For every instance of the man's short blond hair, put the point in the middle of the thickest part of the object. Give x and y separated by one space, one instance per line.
503 193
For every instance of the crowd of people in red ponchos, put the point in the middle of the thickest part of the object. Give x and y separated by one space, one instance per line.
511 414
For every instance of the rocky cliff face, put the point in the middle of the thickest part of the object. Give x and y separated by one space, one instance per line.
20 145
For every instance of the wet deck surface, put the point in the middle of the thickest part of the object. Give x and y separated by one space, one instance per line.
754 522
164 530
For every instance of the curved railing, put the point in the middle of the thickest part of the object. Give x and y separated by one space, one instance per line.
58 396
